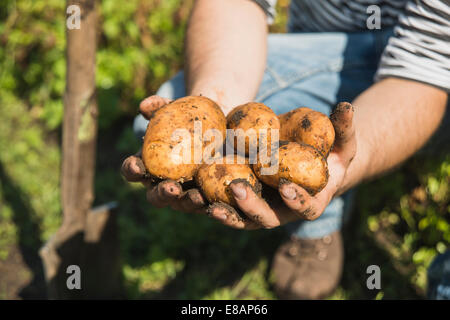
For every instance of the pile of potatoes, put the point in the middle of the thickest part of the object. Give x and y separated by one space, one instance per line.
305 139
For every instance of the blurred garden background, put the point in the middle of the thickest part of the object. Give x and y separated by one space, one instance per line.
400 222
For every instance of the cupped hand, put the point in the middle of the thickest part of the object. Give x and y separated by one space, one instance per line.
294 202
269 211
169 193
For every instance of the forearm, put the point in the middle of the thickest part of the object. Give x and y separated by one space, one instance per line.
393 119
225 51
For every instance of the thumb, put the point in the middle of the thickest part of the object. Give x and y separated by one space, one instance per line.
345 141
151 104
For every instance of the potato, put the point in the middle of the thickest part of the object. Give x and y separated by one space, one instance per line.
182 113
254 116
158 149
299 163
214 179
289 122
161 163
304 125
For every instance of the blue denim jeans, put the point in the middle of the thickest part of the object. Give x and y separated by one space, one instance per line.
439 277
316 70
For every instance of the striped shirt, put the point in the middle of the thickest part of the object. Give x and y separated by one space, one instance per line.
419 49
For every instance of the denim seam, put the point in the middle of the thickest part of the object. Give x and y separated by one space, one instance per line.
278 80
284 82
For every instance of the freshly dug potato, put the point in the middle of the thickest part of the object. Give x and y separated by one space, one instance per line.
182 113
161 163
299 163
304 125
214 179
289 122
254 116
157 152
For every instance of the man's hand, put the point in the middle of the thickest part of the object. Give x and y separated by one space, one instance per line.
394 118
169 193
294 203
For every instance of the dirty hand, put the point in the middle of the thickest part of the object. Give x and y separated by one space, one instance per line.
294 203
167 192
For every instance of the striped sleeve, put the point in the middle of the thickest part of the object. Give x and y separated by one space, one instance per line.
420 48
269 8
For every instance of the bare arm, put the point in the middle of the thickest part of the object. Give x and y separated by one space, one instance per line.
389 122
393 119
226 51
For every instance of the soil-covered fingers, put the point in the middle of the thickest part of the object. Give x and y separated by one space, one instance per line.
299 201
133 169
165 192
228 216
342 119
151 104
254 207
191 201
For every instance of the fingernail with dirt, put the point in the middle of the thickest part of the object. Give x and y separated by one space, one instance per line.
288 193
222 216
138 167
170 190
219 215
239 192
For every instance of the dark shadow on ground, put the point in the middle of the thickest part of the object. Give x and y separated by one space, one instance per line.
29 240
